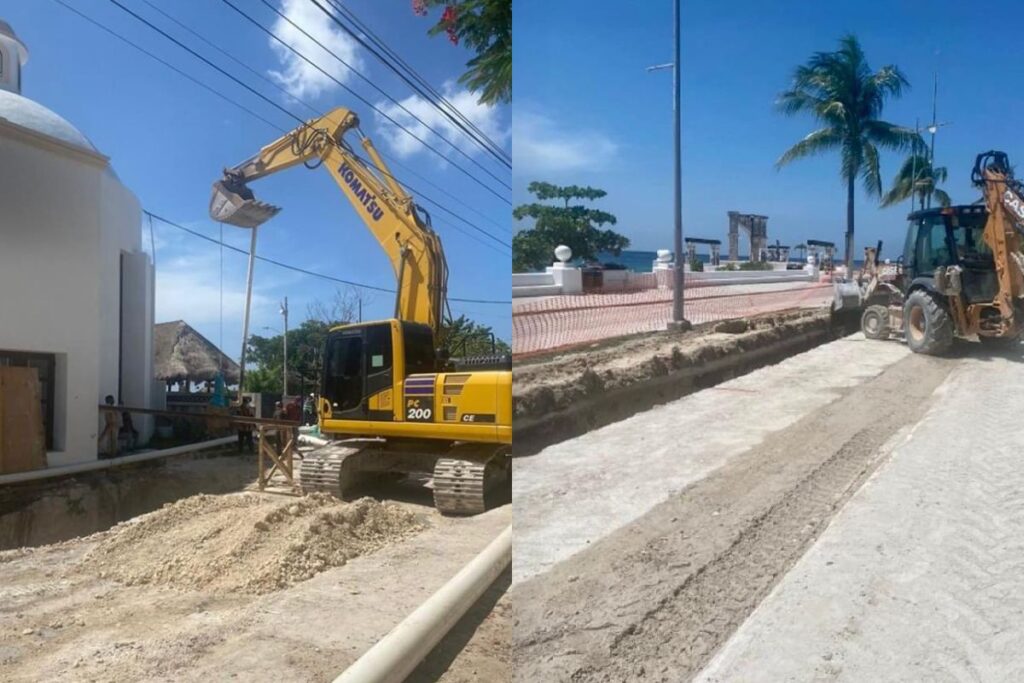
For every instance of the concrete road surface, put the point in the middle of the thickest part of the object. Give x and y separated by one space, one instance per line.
920 577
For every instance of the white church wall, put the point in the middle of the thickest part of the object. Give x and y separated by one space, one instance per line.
137 339
49 241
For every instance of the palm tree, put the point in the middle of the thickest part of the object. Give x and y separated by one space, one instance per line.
841 91
917 176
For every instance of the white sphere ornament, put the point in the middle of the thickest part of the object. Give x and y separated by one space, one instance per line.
664 255
563 253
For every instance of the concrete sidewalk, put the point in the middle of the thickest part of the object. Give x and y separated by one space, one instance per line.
575 493
921 575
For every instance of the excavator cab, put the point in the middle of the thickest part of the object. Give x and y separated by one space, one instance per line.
362 362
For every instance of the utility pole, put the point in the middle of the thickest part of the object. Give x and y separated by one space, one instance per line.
284 312
679 322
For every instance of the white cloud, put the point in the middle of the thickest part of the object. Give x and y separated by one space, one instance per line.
541 145
484 117
300 78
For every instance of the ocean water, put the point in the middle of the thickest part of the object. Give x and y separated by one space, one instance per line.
640 261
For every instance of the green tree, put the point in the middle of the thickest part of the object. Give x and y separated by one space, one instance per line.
306 343
463 337
486 27
576 226
918 176
843 94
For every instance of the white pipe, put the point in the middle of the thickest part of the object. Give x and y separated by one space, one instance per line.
400 651
49 472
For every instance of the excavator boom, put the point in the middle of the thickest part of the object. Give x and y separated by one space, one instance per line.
390 213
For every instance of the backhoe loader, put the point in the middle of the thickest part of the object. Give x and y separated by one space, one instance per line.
388 398
961 273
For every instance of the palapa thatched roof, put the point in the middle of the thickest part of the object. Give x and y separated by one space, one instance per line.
179 352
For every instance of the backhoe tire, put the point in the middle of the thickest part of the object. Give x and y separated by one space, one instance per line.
928 325
874 323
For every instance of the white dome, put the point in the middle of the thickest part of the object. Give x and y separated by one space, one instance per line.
26 113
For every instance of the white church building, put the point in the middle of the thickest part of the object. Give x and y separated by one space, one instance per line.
76 288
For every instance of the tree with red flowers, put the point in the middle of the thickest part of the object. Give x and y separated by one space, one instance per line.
485 26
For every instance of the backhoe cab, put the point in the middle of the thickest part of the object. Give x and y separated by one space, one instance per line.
960 274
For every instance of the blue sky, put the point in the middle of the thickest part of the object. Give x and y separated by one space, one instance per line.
588 113
168 140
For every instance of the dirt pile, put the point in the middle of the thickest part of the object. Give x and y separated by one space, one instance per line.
574 392
246 543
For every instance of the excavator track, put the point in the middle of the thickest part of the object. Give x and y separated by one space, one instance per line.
462 485
327 469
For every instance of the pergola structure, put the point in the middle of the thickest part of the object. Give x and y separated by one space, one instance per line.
778 252
715 249
829 249
756 226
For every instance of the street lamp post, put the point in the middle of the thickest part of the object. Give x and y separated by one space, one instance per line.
679 322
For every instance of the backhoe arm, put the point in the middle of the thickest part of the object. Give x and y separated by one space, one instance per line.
390 213
1002 193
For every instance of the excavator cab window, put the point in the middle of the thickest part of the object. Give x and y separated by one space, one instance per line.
359 363
969 234
933 245
343 373
420 355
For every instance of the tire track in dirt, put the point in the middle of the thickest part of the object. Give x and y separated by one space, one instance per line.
656 599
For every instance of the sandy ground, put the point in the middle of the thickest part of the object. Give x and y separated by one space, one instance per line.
648 556
574 493
71 611
919 576
568 394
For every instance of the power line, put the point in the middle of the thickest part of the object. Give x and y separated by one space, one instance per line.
373 85
170 66
317 112
282 130
303 122
370 104
297 269
446 193
448 110
434 202
274 104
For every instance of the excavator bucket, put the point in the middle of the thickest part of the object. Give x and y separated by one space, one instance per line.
846 296
232 202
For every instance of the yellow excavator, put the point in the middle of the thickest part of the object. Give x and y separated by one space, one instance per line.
961 273
391 399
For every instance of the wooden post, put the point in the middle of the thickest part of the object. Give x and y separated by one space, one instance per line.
282 462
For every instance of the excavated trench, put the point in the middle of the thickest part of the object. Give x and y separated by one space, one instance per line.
55 510
571 393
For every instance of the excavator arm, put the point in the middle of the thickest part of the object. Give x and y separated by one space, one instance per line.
390 213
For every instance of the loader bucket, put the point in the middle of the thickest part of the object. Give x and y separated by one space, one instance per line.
233 203
846 296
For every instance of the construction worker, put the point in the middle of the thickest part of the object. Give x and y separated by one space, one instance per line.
309 410
244 428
